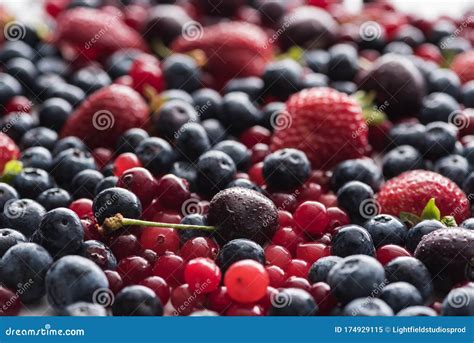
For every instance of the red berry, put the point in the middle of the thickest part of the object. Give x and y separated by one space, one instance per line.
172 192
297 267
8 150
139 181
389 252
146 72
337 218
328 200
202 274
184 300
167 217
102 156
256 174
160 239
199 247
310 191
277 255
115 280
133 269
429 52
285 218
244 310
219 300
18 103
125 162
82 207
312 217
311 252
276 275
288 238
255 134
124 246
266 302
150 256
285 201
91 229
297 282
259 152
246 281
171 268
159 286
10 304
322 295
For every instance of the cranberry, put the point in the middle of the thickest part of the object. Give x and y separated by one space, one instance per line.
140 182
285 218
91 229
244 310
124 246
288 238
311 252
285 201
219 300
298 267
82 207
173 191
255 134
184 300
246 281
171 268
277 255
199 247
337 218
133 269
167 217
18 103
297 282
310 191
266 302
312 217
276 275
321 177
150 256
115 280
322 295
125 161
202 274
389 252
159 286
146 72
160 239
259 152
10 304
328 200
256 174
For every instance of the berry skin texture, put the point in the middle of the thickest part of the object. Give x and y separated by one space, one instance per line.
399 295
411 191
9 238
352 240
320 269
202 274
286 169
385 229
367 307
116 200
246 281
463 65
293 302
10 304
327 119
159 239
451 306
137 301
237 250
312 218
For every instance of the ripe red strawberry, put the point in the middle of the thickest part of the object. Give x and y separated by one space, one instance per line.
463 65
105 115
8 150
89 33
411 191
232 49
326 124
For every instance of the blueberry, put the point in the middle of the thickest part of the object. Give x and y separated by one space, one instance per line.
417 311
238 112
114 201
385 229
208 103
214 129
300 303
172 115
244 183
347 87
23 70
13 49
68 143
419 230
399 295
9 238
399 48
317 60
119 63
54 112
23 267
438 107
53 198
215 170
90 79
182 72
72 94
192 141
367 307
451 46
363 170
412 134
16 124
401 159
53 65
445 81
413 271
99 253
193 219
83 309
439 140
343 62
252 86
411 35
177 94
282 78
237 152
355 277
68 163
186 171
31 182
454 167
60 232
468 224
352 240
137 301
286 169
320 269
270 12
316 80
130 140
105 183
39 136
468 94
459 302
237 250
7 194
357 199
156 154
72 279
441 29
269 113
85 182
23 215
43 82
9 87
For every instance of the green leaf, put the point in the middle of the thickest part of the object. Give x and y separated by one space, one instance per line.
431 211
295 53
449 221
409 218
12 168
373 115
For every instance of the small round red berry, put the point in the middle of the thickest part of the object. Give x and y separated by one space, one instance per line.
82 207
388 252
171 268
297 282
276 275
141 182
124 246
124 162
91 229
256 174
277 255
102 156
259 152
240 310
311 252
312 218
202 274
288 238
285 218
328 200
115 280
133 269
184 300
199 247
159 286
297 267
337 218
219 300
246 281
310 191
160 239
173 191
146 72
10 304
322 295
254 135
285 201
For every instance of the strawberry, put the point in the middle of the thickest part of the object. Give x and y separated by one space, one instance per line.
8 150
463 65
105 115
326 124
87 33
411 191
232 49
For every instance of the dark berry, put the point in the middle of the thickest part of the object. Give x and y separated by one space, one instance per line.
438 107
72 94
68 143
468 224
244 183
357 199
237 250
53 198
238 112
320 269
105 183
454 167
352 240
99 253
192 141
172 115
419 230
23 70
84 183
31 182
214 129
459 302
317 60
208 103
9 238
84 309
401 159
90 79
399 48
363 170
114 201
385 229
119 63
367 307
7 194
193 219
130 140
343 62
417 311
252 86
236 151
282 78
286 169
68 163
412 134
39 136
182 72
445 81
185 170
468 94
293 302
54 112
156 154
215 170
16 48
16 124
23 215
400 295
9 87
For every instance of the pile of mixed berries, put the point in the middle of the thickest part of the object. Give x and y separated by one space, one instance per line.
237 158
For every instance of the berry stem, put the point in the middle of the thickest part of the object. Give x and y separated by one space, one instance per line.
118 221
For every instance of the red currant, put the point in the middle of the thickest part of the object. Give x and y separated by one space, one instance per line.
322 295
328 200
255 134
124 246
285 218
259 152
146 72
256 174
18 103
159 286
202 274
311 252
276 275
133 269
115 280
184 300
125 162
288 238
139 181
310 191
82 207
160 239
102 156
90 228
285 201
171 268
173 191
246 281
312 217
337 218
389 252
297 282
297 267
277 255
199 247
219 300
10 304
